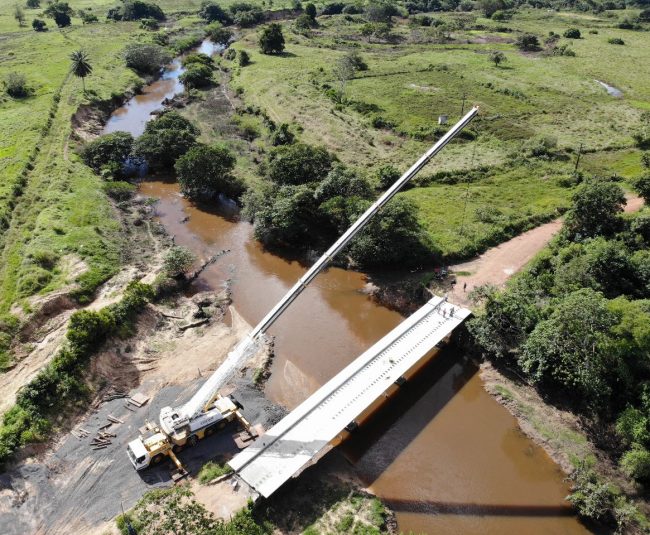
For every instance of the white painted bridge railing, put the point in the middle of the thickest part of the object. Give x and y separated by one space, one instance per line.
300 436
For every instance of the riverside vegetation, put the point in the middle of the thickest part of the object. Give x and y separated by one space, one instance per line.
331 106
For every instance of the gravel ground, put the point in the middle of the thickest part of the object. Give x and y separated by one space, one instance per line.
73 489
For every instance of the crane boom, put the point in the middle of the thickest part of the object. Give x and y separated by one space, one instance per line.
208 391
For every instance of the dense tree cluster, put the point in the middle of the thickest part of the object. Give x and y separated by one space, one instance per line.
136 10
309 199
146 58
577 321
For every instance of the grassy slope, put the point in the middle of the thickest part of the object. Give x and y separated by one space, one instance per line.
413 83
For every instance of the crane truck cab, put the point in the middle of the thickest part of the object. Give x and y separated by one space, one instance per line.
176 431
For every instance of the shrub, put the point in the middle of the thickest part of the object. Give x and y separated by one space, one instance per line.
212 12
310 10
381 122
39 25
282 136
246 15
636 463
87 17
177 261
33 4
572 33
165 140
298 164
220 35
528 42
118 190
590 497
149 24
497 57
642 186
244 58
196 76
303 22
230 54
146 58
615 41
197 58
334 8
271 39
16 85
205 172
387 176
108 149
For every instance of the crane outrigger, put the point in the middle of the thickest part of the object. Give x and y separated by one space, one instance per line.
207 411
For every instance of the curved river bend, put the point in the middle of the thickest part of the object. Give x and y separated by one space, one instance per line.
444 455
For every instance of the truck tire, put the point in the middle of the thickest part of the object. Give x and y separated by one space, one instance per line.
193 440
176 448
157 459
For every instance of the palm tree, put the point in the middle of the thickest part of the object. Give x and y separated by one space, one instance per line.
81 66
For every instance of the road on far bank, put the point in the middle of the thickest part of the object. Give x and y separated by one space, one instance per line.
498 264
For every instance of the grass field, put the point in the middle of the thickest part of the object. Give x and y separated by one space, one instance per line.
413 80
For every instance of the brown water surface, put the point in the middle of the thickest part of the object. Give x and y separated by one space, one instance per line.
443 453
452 460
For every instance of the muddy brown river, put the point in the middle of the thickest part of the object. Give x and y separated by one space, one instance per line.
443 454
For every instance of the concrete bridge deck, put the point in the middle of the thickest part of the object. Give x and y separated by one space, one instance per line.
307 431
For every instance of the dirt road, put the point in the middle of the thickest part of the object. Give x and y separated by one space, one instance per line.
498 264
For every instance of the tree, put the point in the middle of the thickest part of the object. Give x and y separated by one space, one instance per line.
381 11
304 23
206 172
212 12
527 42
644 16
108 151
61 12
490 7
165 140
387 176
271 39
81 66
642 186
146 58
343 71
244 58
310 10
282 135
39 25
645 160
393 237
570 350
33 4
136 10
572 33
342 182
595 212
298 164
19 15
497 57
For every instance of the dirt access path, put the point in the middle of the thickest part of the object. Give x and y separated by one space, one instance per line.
498 264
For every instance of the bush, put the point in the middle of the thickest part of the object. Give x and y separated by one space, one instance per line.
636 464
282 136
298 164
146 58
87 17
220 35
120 191
16 85
107 150
310 10
528 42
33 4
271 39
591 498
206 172
247 18
303 22
230 54
60 12
244 58
39 25
136 10
212 12
642 186
334 8
615 41
387 176
197 59
572 33
196 76
165 140
149 24
178 260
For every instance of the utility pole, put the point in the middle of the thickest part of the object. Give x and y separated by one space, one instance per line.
578 159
